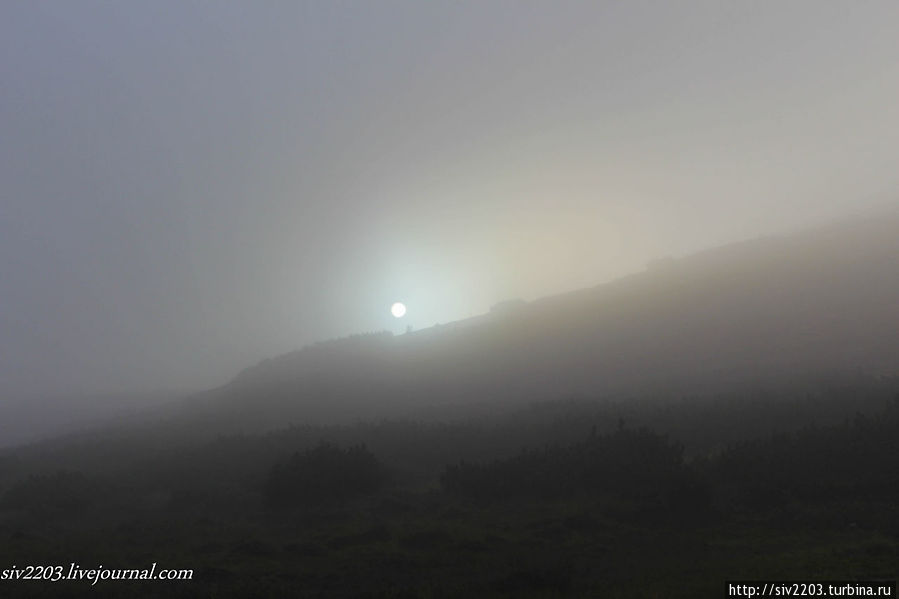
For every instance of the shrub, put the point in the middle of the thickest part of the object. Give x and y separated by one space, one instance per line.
325 473
62 493
858 459
631 463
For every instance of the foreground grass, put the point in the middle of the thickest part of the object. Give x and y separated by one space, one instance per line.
427 544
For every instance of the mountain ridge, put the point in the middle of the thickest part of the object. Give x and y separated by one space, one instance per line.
765 311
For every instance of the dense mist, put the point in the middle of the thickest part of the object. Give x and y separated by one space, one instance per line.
187 189
774 312
404 300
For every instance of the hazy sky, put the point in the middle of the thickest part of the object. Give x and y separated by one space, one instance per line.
189 187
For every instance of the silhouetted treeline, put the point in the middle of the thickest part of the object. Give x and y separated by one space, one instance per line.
857 458
705 425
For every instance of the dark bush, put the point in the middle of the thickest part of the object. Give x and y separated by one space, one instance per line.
62 493
325 473
858 459
630 463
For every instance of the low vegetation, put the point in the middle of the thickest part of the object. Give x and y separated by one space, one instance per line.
323 474
562 499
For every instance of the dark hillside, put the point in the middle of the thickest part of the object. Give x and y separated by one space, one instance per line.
771 312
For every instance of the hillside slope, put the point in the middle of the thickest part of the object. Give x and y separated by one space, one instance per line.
771 311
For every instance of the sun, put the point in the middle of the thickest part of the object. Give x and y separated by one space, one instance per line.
398 310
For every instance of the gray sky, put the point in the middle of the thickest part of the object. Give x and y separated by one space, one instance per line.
189 187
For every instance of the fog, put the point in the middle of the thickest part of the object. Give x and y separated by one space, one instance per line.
448 299
187 188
